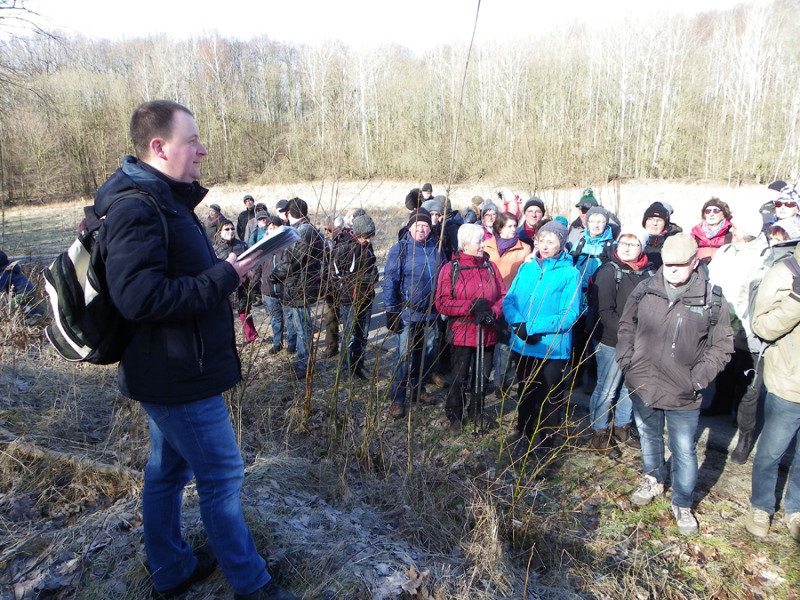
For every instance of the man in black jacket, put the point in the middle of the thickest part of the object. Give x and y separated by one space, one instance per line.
181 355
300 272
248 213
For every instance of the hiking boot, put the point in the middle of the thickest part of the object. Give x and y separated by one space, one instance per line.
291 350
793 523
301 372
757 522
330 352
274 350
426 399
455 426
743 447
439 381
687 524
397 410
206 564
649 488
271 591
603 442
359 372
627 435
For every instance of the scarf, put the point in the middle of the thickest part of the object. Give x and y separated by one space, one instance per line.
504 245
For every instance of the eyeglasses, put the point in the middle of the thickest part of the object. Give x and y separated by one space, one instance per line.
629 244
786 203
712 210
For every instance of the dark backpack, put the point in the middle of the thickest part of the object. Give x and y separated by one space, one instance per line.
87 327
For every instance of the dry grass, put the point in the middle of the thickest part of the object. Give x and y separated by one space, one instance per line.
349 504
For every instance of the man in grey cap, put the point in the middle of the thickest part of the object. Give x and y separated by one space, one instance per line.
674 338
248 213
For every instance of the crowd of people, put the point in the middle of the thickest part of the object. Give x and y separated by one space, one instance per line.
650 315
506 297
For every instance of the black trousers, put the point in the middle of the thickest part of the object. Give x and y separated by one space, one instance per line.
462 359
541 391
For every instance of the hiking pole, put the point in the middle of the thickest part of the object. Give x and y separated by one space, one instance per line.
477 403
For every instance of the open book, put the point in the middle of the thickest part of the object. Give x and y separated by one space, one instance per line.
271 244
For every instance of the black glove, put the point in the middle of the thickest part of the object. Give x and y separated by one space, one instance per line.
522 333
796 285
479 305
484 318
393 322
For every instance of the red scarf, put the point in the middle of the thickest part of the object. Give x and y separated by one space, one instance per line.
640 264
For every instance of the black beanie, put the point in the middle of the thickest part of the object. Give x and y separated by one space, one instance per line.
412 199
656 209
419 215
534 202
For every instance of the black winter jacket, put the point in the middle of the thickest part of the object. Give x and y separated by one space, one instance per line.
176 294
300 266
352 271
611 297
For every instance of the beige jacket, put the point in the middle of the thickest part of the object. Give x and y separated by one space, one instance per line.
776 319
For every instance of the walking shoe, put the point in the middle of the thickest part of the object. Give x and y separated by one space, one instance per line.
454 425
426 399
757 522
274 350
330 352
603 442
397 410
649 488
627 435
291 350
743 447
359 372
687 524
301 372
793 523
206 564
271 591
439 381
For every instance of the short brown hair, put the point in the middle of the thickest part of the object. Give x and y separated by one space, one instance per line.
152 119
502 219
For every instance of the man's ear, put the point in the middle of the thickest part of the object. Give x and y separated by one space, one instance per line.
157 148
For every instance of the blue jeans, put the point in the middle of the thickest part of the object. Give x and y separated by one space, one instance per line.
504 368
609 387
356 319
416 342
681 429
781 423
196 439
298 320
275 310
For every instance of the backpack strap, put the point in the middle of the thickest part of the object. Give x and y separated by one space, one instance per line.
455 269
716 307
147 198
793 266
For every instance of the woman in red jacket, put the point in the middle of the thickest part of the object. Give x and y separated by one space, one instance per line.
714 230
470 292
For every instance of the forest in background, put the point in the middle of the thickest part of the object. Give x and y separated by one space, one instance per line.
712 96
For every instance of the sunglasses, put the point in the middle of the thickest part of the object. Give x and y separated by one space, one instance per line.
227 229
712 210
786 203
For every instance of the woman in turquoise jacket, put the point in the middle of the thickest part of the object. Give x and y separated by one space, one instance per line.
542 306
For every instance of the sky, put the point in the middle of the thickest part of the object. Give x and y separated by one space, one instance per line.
416 24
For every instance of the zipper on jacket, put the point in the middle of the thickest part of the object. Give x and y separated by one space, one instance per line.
675 335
